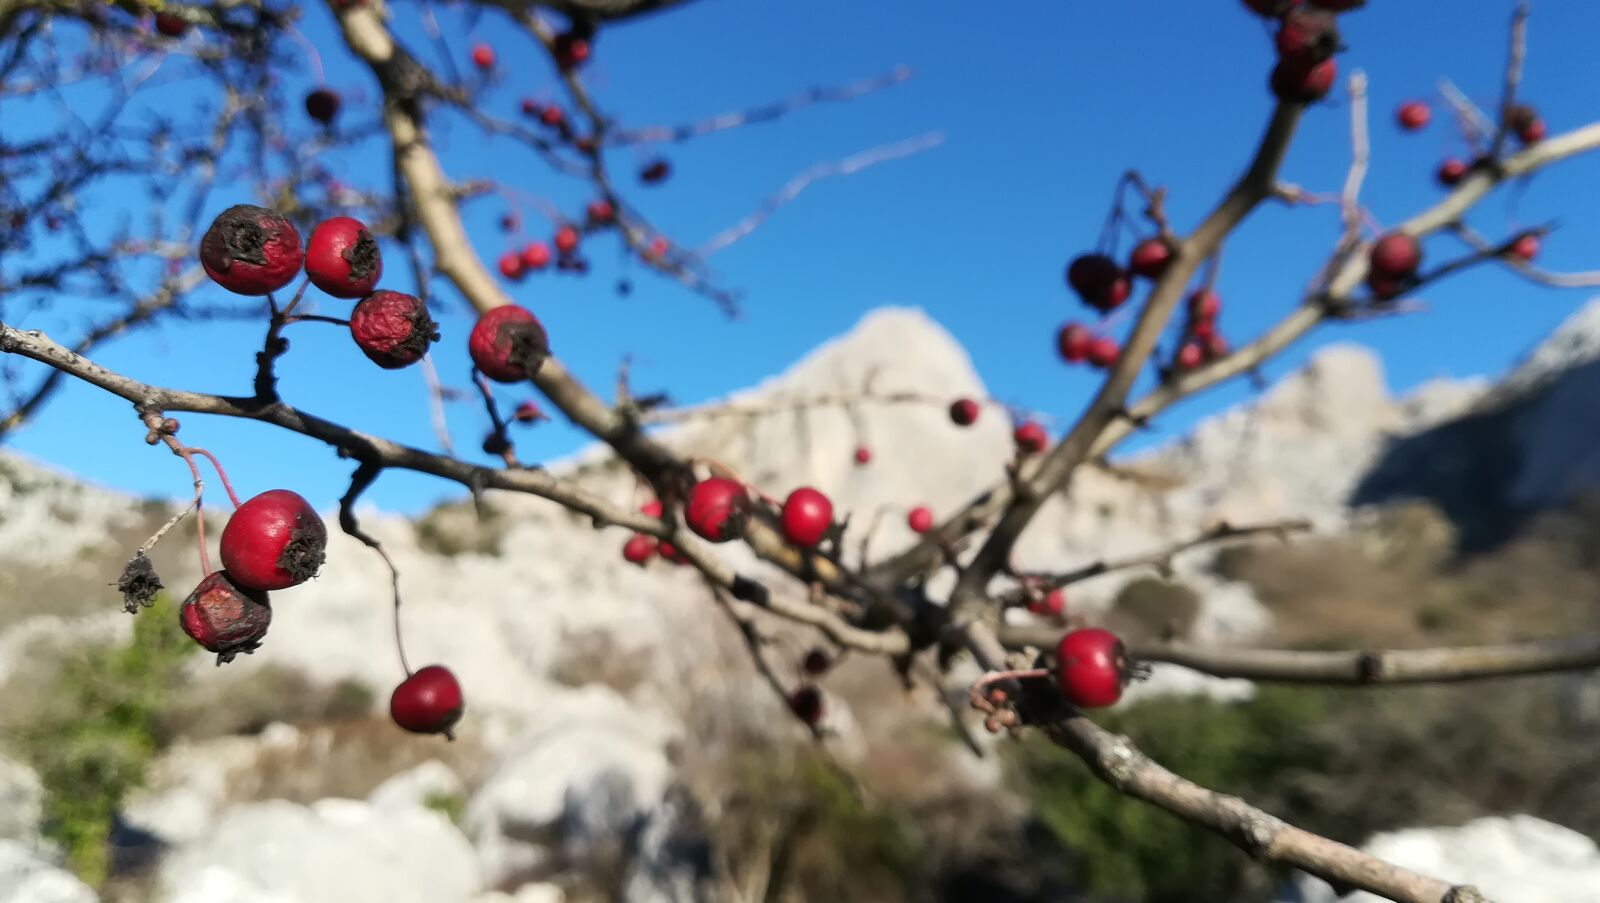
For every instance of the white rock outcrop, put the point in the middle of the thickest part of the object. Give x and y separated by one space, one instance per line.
30 875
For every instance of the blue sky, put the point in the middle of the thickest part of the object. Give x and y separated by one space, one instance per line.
1041 111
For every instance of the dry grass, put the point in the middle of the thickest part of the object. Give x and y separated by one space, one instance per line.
349 758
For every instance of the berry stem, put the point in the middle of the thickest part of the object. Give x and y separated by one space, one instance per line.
314 318
980 700
311 53
217 465
199 510
359 481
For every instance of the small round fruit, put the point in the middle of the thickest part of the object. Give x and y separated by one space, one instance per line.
1050 604
1295 82
600 212
1098 281
552 116
964 412
528 412
1395 256
571 50
1103 352
322 105
1204 304
816 663
1382 287
1092 668
510 265
1030 437
1526 123
508 344
535 255
651 508
274 541
863 455
1150 258
482 56
172 26
718 509
1073 342
639 549
342 258
1525 248
919 519
655 172
1190 355
224 617
806 704
671 553
1214 346
1413 115
1451 172
251 250
392 329
427 702
1307 37
566 240
806 517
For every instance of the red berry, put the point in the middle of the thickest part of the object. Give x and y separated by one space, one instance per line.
225 617
807 516
530 107
1526 123
1189 356
1051 604
806 703
274 541
482 56
528 412
551 116
1092 667
1103 352
816 663
1073 342
657 248
1413 115
718 509
535 255
1099 282
1214 346
651 508
671 553
1525 248
655 172
251 250
919 519
392 329
1307 37
964 412
1451 172
1204 304
1294 82
566 240
639 549
1384 288
600 211
1150 258
571 50
508 344
863 455
1395 256
342 258
427 702
322 105
510 265
1030 437
172 26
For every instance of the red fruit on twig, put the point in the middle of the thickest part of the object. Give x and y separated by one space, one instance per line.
274 541
600 212
1150 258
1413 115
392 329
172 26
482 56
528 412
322 105
535 256
964 412
1214 346
806 704
639 549
1050 605
655 172
718 509
1204 304
1103 352
224 617
1190 355
566 240
1395 256
510 265
251 250
806 517
863 455
342 258
571 50
1526 123
1295 82
1098 281
508 344
1307 37
529 107
1525 248
1092 668
551 116
919 519
1073 342
428 702
1030 437
1451 172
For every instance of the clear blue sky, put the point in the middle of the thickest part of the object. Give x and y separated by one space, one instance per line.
1042 109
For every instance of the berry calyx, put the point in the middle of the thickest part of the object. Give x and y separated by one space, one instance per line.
1525 248
428 702
1050 604
655 172
535 255
1103 352
342 258
1150 258
806 517
806 704
639 549
1073 342
1395 256
964 412
718 509
392 329
251 250
863 455
482 56
1451 172
919 519
322 105
1030 437
224 617
508 344
1412 115
1098 281
274 541
566 240
1092 668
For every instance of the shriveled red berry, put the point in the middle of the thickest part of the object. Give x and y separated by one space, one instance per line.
566 240
1413 115
511 266
171 25
863 455
482 56
919 519
1204 304
1103 352
571 50
508 344
1092 668
1190 355
551 116
816 663
1030 437
964 412
639 549
224 617
1073 342
528 412
600 211
392 329
1050 604
1296 82
1451 172
251 250
718 509
1395 256
342 258
1307 37
1150 258
655 172
1098 281
1525 248
806 517
274 541
428 702
322 105
806 704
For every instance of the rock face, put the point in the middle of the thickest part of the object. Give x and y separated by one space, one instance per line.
21 802
1519 859
29 876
